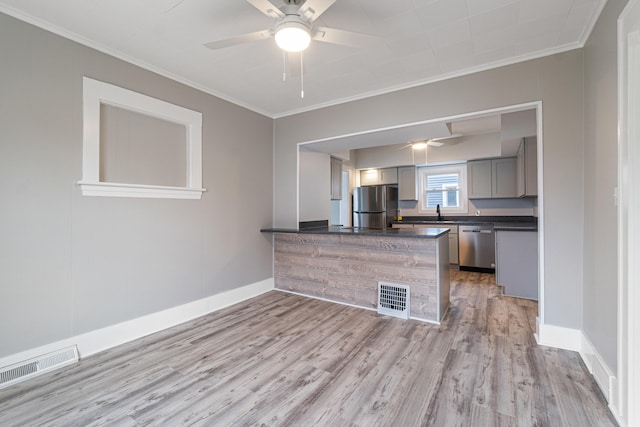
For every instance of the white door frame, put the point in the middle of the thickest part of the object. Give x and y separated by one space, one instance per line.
628 213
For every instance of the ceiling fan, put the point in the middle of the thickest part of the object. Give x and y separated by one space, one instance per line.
445 140
432 142
293 29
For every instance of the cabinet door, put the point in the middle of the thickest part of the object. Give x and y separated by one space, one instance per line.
504 178
479 179
407 183
517 263
336 179
531 166
453 248
369 177
388 176
521 171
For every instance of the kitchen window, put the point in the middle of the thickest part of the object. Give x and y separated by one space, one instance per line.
444 186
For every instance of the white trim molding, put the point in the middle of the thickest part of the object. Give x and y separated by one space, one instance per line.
95 94
111 336
604 377
575 340
111 189
558 336
628 46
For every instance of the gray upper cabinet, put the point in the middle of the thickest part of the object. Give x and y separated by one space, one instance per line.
527 170
369 177
336 179
389 176
407 183
494 178
504 183
479 179
379 176
521 171
531 166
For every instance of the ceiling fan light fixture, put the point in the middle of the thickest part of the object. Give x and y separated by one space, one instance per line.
293 36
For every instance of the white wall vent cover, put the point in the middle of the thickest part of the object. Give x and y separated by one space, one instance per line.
30 368
393 300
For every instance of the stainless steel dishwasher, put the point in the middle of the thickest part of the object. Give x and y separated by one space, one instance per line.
477 246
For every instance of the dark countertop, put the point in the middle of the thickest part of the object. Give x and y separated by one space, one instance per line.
518 226
430 233
500 223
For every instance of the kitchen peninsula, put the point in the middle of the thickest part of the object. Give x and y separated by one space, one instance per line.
345 265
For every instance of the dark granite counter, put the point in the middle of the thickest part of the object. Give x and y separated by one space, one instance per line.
510 223
346 231
519 226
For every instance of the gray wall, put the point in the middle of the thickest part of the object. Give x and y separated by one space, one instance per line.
70 264
556 80
315 186
601 160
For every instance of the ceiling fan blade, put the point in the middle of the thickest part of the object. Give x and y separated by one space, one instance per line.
347 38
268 8
243 38
312 9
444 138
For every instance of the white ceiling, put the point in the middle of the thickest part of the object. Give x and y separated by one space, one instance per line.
508 127
425 40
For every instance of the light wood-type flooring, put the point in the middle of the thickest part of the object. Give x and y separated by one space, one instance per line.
285 360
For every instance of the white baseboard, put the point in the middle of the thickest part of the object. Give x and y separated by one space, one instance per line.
576 340
102 339
600 371
558 337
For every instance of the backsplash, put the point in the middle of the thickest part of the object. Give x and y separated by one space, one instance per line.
486 207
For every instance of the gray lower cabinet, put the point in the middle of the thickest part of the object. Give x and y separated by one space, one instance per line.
517 263
453 247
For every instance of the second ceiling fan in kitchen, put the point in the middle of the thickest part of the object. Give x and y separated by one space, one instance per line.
294 28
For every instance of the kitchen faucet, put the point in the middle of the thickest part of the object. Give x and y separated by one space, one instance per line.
438 211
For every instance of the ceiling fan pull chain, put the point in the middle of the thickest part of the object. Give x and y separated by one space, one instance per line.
301 76
284 66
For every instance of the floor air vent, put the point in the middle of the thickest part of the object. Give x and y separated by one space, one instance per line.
26 369
393 300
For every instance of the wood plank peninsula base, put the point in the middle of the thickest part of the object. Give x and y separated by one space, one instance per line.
346 267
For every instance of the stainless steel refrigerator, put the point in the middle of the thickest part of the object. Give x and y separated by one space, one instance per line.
374 206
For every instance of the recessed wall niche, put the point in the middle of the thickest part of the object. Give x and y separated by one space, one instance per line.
140 149
138 146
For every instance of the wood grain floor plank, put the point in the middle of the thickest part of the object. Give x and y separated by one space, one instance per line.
285 360
451 401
